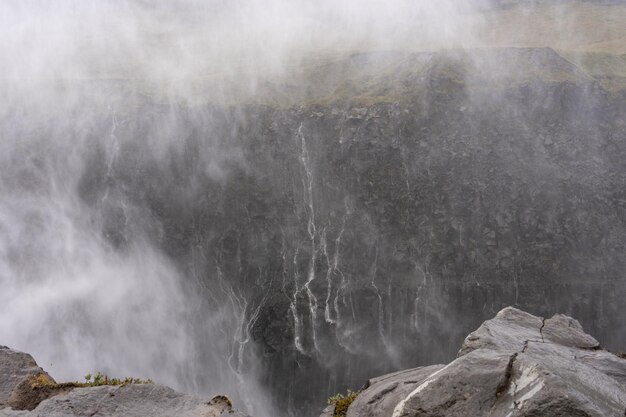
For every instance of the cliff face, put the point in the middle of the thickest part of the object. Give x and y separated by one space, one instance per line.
369 228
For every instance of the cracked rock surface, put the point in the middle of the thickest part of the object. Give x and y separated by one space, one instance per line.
18 396
515 364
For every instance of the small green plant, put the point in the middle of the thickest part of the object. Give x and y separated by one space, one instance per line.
101 379
342 402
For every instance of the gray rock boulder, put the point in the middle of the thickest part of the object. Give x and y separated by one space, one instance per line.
515 364
26 390
18 371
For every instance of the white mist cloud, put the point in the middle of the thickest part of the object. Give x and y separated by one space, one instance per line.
165 43
67 297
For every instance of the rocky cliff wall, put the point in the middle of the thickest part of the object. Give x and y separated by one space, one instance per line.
369 234
362 226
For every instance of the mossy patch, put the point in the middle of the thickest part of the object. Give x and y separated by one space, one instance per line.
33 390
342 402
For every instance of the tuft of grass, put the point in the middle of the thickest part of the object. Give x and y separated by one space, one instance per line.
42 381
342 402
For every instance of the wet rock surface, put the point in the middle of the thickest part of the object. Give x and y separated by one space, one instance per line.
515 364
21 396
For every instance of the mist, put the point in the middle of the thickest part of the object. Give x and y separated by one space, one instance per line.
197 50
140 140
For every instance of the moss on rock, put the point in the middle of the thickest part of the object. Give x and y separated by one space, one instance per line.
342 402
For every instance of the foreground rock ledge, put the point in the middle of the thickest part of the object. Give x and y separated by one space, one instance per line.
19 396
514 365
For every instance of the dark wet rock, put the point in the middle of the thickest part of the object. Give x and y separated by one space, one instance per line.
515 364
19 392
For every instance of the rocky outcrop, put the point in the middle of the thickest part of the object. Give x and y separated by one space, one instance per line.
515 364
18 371
26 390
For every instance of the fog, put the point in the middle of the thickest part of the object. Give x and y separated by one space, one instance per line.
169 46
75 292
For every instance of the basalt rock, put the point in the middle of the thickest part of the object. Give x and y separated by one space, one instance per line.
515 364
22 394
